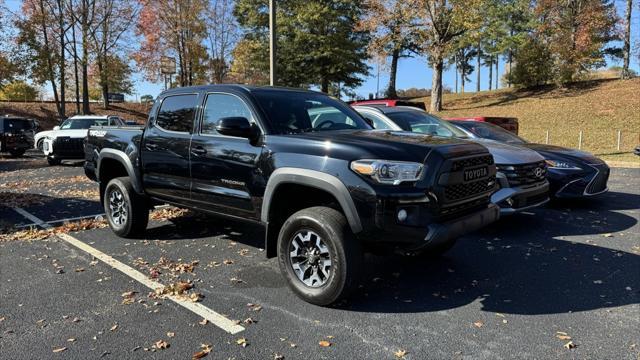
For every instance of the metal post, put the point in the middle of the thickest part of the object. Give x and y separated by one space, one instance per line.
619 138
547 138
580 141
272 42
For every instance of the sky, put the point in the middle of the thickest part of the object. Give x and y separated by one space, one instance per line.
412 72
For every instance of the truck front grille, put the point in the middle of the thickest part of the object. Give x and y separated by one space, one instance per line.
525 174
471 162
68 145
463 191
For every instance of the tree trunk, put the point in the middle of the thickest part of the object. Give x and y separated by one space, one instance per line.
436 85
391 90
497 71
627 41
85 58
490 72
63 73
325 85
50 73
75 68
510 60
456 65
478 69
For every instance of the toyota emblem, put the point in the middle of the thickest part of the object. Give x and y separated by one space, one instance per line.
538 172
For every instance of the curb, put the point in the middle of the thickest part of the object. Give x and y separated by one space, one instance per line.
624 164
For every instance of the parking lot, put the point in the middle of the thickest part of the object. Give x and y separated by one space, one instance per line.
557 282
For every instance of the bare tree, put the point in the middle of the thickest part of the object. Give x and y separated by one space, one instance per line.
222 34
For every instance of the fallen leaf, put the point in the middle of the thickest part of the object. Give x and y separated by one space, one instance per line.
79 269
400 354
277 356
71 339
203 322
206 349
171 334
570 345
562 335
242 342
60 349
478 324
114 327
607 235
324 343
161 344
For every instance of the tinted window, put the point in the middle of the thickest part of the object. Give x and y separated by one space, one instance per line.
378 123
421 122
176 113
220 106
295 112
17 124
490 131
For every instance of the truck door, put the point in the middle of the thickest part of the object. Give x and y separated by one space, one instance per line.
165 148
224 169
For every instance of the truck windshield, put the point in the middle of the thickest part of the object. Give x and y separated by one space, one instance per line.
292 112
489 131
421 122
74 124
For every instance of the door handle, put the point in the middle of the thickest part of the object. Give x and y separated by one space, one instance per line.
198 150
151 146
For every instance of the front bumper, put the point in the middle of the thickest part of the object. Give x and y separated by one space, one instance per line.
577 184
64 148
516 199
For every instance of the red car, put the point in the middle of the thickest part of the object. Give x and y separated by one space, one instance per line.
507 123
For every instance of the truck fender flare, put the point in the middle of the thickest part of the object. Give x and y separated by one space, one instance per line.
122 158
317 180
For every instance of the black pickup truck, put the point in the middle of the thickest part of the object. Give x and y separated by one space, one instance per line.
325 186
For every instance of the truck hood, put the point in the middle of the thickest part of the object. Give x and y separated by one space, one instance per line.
505 154
375 144
558 153
75 133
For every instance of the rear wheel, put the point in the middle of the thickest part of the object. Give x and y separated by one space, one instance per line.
318 255
127 212
53 161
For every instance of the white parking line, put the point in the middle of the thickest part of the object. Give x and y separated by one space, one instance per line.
213 317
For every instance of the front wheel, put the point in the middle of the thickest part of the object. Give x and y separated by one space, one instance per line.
127 212
318 256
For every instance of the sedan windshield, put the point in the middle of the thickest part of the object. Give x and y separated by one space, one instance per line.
489 131
422 122
74 124
297 112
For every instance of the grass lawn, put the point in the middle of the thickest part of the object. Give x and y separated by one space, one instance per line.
599 108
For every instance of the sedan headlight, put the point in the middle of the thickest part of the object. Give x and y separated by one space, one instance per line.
388 172
560 164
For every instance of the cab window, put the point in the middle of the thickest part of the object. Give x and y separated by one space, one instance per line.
220 106
177 112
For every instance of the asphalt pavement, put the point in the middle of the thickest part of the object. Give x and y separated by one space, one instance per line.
558 282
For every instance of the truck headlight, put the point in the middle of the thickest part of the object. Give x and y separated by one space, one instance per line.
558 164
388 172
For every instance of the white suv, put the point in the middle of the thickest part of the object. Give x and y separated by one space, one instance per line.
66 141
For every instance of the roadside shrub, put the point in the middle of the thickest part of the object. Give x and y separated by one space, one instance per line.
18 91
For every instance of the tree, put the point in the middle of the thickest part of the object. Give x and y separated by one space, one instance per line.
250 64
443 21
461 60
533 65
173 28
118 81
18 91
577 32
318 42
627 40
391 24
146 98
113 20
8 68
222 34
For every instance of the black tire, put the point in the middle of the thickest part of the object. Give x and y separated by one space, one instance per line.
344 251
135 206
17 153
40 144
53 161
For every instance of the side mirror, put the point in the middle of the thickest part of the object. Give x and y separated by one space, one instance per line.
236 126
56 128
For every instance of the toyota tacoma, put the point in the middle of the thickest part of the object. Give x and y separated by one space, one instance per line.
325 188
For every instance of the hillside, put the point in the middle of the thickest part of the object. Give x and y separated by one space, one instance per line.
599 108
46 113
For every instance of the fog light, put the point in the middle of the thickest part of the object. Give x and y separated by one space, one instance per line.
402 215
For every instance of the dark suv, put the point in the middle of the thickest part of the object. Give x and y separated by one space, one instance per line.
306 167
16 135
